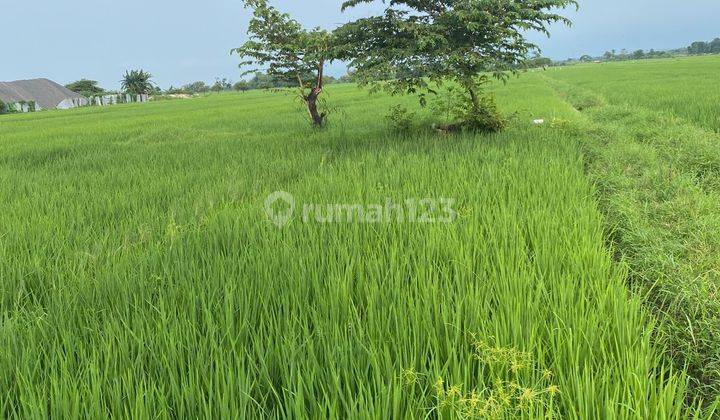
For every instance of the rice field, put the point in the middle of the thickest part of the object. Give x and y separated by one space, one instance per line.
686 87
142 277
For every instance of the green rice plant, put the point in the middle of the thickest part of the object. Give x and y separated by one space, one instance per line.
686 87
140 277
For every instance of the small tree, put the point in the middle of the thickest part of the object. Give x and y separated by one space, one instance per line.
86 87
288 51
137 82
424 42
197 87
221 85
241 86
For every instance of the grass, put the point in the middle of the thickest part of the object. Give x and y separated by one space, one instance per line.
685 87
141 279
658 180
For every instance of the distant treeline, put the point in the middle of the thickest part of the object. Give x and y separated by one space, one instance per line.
258 81
699 48
696 48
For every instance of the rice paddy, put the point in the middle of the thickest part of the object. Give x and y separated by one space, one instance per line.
141 277
685 87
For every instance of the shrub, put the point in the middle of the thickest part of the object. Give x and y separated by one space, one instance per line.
400 119
3 108
485 118
461 112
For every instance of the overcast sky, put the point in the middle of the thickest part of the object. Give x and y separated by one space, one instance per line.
180 41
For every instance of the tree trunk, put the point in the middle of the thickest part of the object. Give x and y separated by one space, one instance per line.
311 101
474 97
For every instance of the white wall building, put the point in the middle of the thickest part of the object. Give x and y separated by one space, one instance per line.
44 93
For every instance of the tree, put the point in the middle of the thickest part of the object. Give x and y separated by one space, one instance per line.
221 85
349 77
289 52
172 90
197 87
422 43
262 81
539 61
137 82
638 55
86 87
586 58
698 48
241 86
714 46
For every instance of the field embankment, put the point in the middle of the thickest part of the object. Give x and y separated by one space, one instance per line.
657 174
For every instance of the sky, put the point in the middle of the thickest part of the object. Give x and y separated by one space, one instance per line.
181 41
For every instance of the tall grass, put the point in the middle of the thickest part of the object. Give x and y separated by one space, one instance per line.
657 175
141 279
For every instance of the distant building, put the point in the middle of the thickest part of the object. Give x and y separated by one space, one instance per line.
43 93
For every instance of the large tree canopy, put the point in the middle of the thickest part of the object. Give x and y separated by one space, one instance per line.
281 46
86 87
415 43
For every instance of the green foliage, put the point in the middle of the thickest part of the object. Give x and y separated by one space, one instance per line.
280 43
3 108
400 118
451 104
484 117
538 62
349 77
221 85
288 52
636 55
419 43
196 87
265 81
698 48
86 87
241 86
137 82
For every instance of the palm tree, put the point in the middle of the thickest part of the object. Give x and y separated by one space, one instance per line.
137 82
